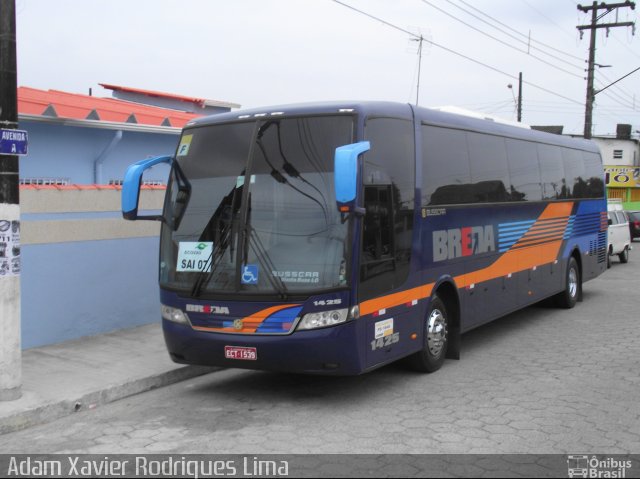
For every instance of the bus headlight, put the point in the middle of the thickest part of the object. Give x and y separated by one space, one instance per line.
174 314
323 319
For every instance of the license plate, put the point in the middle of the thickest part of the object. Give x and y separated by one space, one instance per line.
243 354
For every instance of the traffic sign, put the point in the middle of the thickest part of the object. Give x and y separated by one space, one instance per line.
13 142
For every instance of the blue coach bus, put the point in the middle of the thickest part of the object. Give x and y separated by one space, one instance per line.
337 238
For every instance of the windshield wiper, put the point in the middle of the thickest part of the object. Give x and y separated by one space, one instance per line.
212 263
222 231
288 168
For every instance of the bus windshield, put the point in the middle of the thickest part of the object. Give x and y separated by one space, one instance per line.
261 214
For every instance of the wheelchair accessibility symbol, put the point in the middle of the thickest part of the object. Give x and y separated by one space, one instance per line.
250 274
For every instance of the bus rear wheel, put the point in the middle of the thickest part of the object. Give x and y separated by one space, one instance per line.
569 297
436 335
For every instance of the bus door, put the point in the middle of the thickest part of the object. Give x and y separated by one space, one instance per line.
387 238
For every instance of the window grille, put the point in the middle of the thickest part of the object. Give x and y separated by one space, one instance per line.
144 183
44 181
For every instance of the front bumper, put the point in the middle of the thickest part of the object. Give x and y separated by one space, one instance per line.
330 351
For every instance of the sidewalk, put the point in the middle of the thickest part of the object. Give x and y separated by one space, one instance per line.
61 379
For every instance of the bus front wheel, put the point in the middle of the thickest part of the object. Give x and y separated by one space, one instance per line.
436 335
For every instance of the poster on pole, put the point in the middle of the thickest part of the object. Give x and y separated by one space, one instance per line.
9 247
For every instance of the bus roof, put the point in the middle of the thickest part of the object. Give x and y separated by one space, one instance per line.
428 116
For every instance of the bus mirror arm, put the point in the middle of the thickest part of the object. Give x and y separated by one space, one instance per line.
357 211
131 187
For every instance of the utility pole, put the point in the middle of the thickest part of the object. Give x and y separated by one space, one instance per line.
520 97
518 101
593 26
10 351
419 40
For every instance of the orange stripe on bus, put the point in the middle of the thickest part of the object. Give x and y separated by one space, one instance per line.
395 299
555 210
250 324
512 261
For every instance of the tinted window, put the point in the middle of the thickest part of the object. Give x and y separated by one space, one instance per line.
389 194
524 171
391 158
446 173
594 173
551 172
489 171
574 172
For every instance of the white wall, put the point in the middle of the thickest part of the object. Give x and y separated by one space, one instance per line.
630 151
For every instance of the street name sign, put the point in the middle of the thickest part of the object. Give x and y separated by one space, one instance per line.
13 142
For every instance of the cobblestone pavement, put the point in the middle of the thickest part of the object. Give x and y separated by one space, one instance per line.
542 380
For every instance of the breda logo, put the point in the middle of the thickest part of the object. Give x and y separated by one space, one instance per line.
206 309
458 242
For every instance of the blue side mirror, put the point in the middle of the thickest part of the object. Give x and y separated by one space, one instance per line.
131 187
346 173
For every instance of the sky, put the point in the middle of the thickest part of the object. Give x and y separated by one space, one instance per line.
274 52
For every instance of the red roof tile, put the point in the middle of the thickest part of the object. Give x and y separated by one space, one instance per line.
198 101
76 106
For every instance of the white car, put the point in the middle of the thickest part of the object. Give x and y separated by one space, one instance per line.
619 236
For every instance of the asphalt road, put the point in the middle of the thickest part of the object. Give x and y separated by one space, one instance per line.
542 380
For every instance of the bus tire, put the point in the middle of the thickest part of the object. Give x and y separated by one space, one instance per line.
436 337
624 256
572 283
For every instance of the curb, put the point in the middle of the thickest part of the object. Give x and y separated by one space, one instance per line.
51 411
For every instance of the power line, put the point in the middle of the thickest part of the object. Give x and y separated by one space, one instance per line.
453 52
623 92
547 18
515 31
619 79
620 100
624 45
505 43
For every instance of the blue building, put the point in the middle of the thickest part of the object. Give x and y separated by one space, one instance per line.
85 270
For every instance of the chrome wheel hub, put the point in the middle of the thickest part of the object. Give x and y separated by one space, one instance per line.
573 282
436 332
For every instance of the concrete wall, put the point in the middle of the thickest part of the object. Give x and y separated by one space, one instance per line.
85 270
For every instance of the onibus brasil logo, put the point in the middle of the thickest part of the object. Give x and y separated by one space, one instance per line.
583 466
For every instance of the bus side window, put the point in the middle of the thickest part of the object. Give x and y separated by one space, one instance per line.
554 185
389 194
377 243
446 174
594 173
524 170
